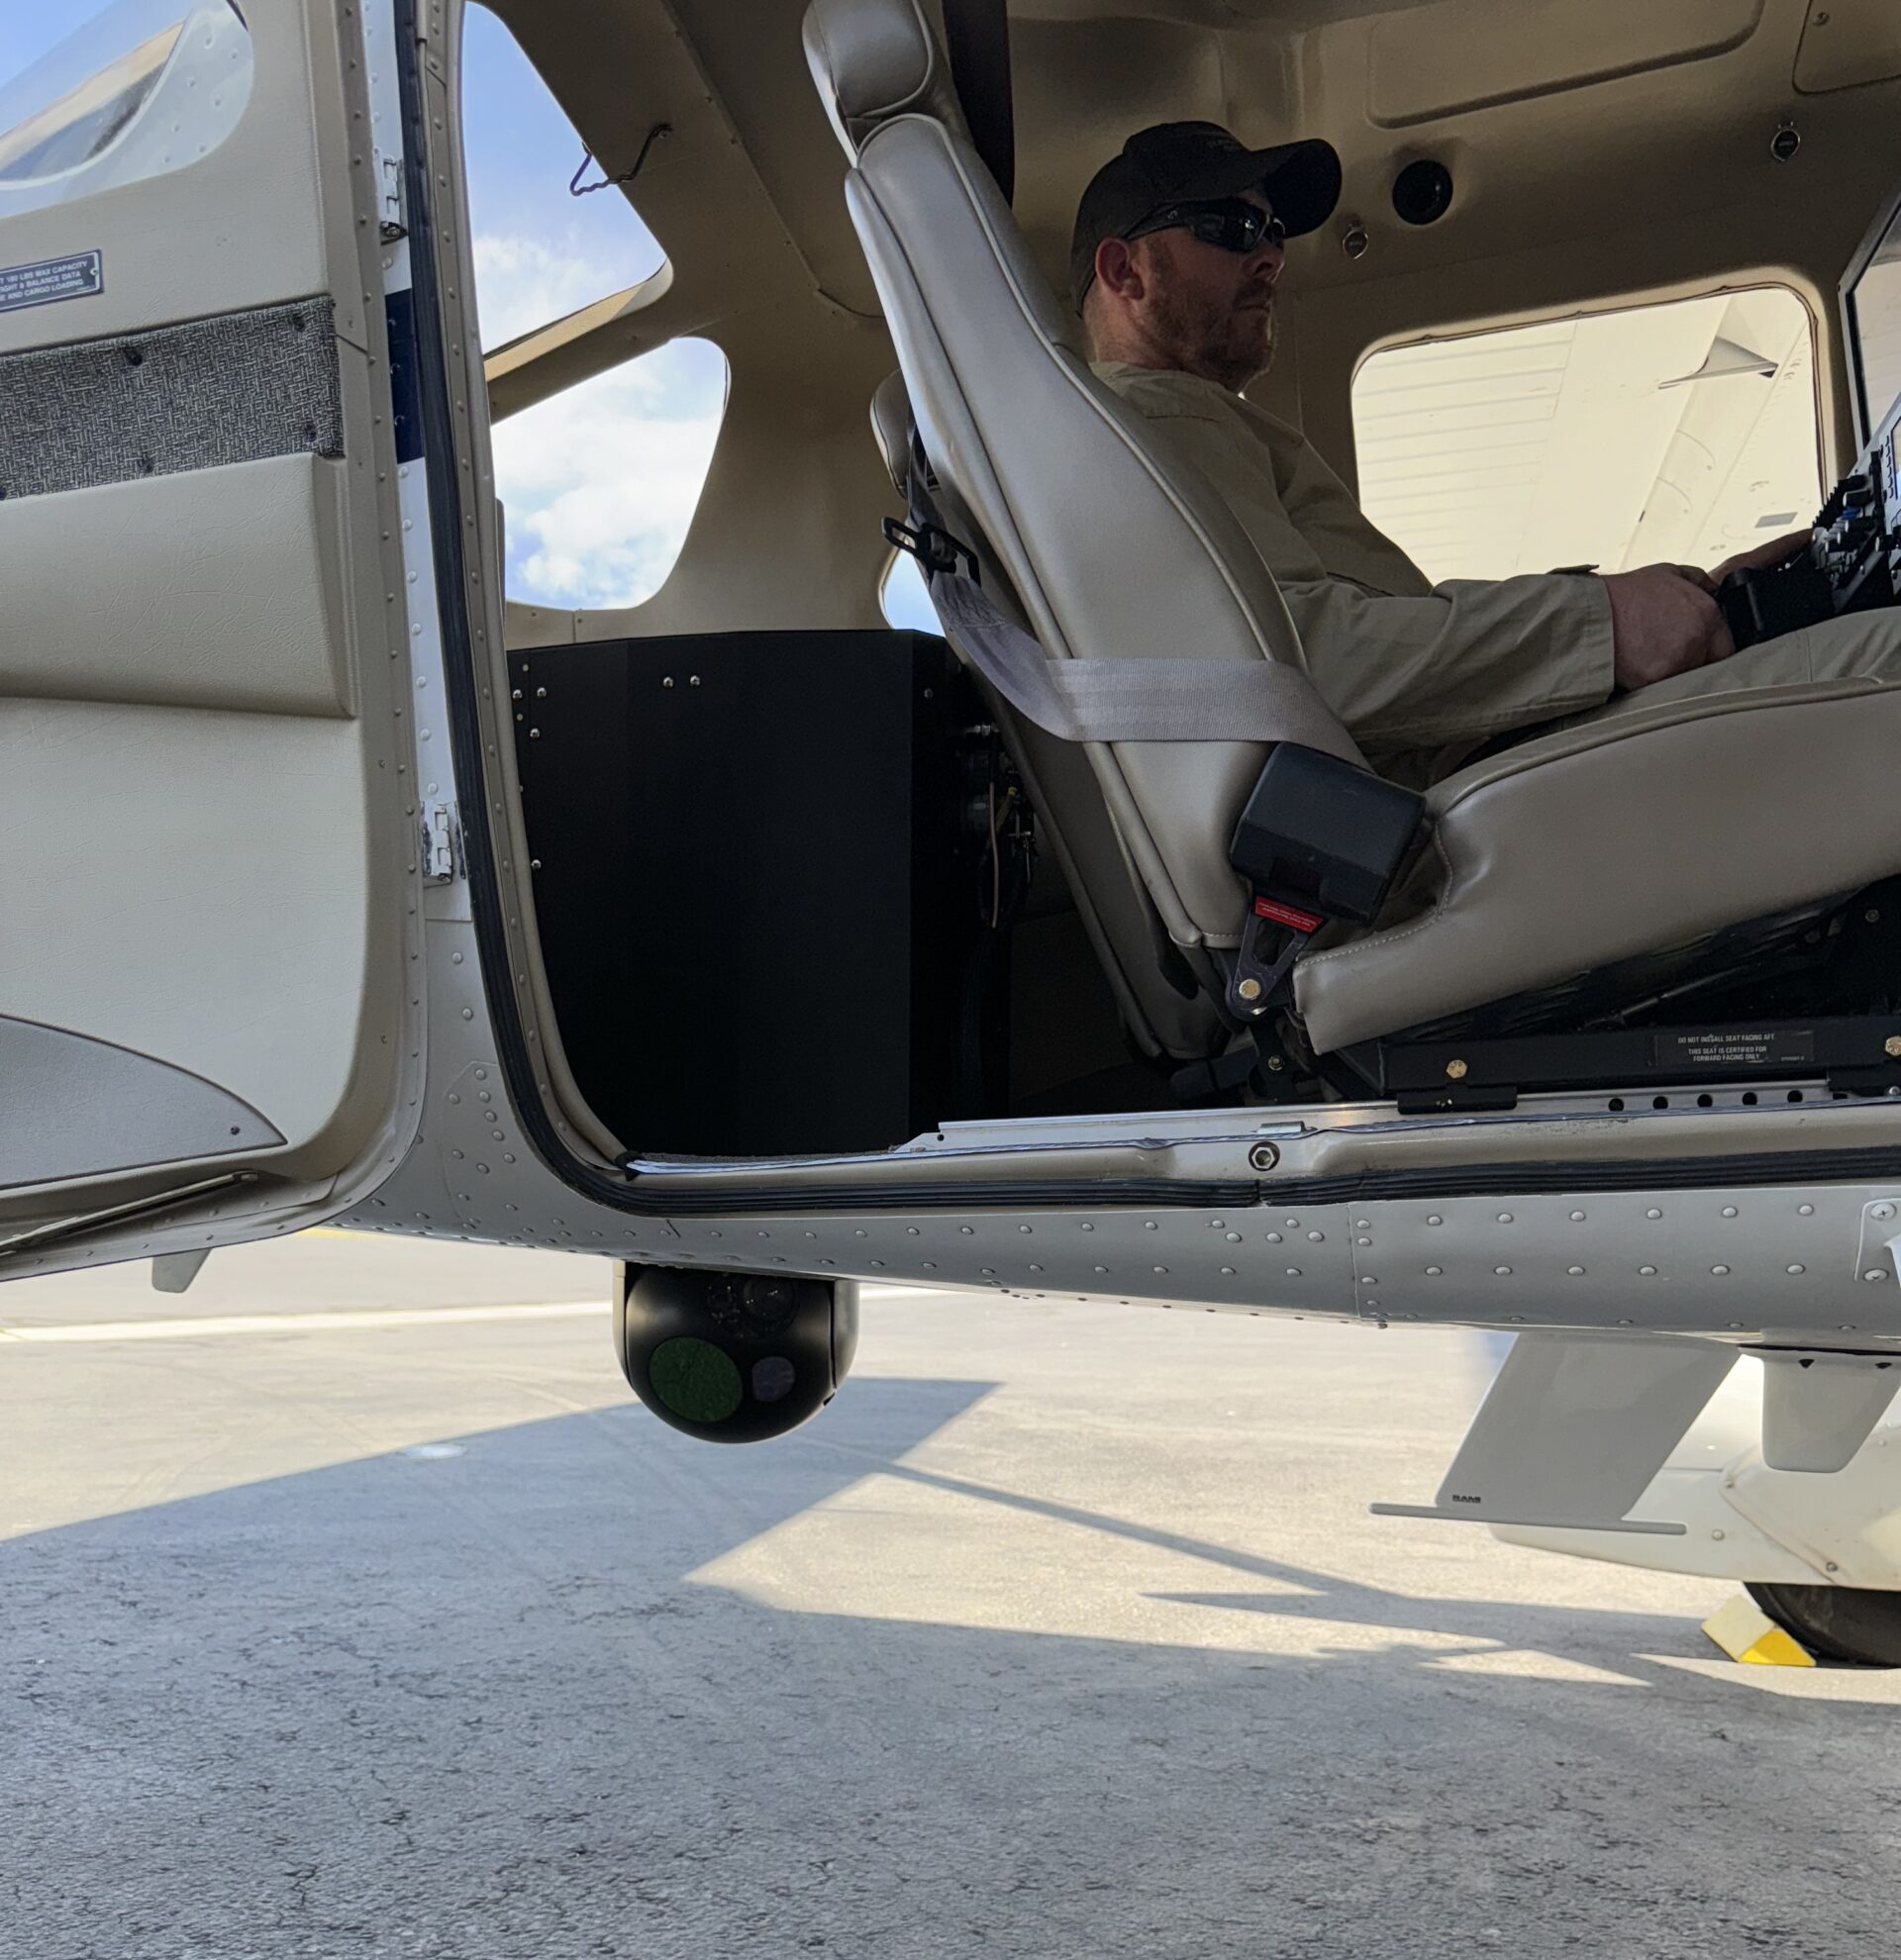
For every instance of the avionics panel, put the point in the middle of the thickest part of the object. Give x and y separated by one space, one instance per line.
1871 320
1851 561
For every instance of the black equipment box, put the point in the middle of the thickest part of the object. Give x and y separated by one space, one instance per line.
760 859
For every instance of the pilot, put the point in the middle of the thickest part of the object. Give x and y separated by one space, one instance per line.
1175 263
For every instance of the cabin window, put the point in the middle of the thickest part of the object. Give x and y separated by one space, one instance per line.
599 482
137 88
902 595
540 253
1677 433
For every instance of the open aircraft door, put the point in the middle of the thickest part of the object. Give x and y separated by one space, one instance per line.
208 827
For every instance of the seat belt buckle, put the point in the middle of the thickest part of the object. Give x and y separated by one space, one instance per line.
934 547
1274 937
1330 836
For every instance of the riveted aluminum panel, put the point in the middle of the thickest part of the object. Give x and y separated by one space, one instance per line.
1743 1263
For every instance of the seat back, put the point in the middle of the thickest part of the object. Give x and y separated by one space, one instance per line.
1083 530
1158 994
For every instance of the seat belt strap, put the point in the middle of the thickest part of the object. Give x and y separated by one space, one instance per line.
1164 699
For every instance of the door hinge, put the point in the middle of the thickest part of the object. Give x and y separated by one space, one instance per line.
389 198
438 843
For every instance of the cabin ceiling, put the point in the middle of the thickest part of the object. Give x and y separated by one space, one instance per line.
1559 118
1285 16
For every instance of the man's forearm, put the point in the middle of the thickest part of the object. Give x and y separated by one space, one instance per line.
1471 660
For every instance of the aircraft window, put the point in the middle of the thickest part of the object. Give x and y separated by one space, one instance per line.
600 481
141 87
1677 433
540 253
1875 304
902 595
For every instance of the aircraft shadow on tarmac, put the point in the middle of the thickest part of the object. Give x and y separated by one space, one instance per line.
471 1706
1303 1594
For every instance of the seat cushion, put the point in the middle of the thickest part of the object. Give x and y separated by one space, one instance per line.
1621 837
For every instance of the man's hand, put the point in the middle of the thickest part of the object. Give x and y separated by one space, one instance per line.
1662 624
1778 550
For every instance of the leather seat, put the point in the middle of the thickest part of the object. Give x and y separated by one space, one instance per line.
1164 1003
1561 855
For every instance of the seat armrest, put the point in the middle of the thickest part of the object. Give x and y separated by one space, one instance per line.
1625 835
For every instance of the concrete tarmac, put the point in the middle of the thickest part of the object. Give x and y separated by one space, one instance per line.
349 1606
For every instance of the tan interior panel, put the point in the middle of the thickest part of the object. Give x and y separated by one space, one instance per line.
1848 42
228 639
203 695
562 352
1458 56
223 933
249 224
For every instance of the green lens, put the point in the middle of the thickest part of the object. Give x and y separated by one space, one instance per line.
699 1382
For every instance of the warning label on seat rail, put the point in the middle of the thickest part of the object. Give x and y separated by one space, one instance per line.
1724 1047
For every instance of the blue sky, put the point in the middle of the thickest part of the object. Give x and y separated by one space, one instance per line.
597 483
27 27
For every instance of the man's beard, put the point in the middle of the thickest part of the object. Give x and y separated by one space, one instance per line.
1234 349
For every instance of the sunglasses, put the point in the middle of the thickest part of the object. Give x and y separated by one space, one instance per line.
1231 222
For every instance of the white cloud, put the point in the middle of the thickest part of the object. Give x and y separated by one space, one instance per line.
522 283
599 482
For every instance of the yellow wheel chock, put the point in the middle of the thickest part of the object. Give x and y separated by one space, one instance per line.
1746 1633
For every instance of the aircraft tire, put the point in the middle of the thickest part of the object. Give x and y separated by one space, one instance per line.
1853 1623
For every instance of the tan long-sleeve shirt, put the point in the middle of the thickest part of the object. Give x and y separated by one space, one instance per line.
1419 673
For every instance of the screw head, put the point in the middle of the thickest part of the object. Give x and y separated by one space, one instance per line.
1455 1070
1892 1046
1249 990
1263 1156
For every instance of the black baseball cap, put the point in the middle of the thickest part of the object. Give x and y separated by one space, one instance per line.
1174 162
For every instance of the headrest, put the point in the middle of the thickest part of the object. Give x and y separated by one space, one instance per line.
891 426
875 59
